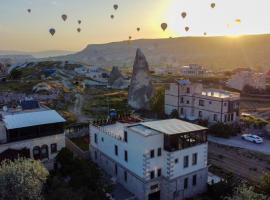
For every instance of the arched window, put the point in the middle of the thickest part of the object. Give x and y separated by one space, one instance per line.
44 151
36 152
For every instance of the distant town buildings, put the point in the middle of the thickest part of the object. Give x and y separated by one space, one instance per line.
193 102
31 131
93 72
194 70
165 159
243 78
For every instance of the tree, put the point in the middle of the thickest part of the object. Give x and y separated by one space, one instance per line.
174 114
265 183
157 103
15 74
244 192
22 179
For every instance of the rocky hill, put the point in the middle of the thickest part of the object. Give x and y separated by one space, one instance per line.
214 52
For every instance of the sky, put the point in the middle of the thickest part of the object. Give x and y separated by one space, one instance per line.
20 30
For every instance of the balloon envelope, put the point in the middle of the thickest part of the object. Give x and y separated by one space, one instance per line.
64 17
184 14
29 10
79 21
164 26
115 6
79 30
213 5
138 29
186 28
112 16
238 21
130 37
52 31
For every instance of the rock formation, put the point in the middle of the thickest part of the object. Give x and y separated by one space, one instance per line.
114 75
141 88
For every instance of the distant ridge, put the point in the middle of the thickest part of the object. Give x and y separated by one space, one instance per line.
41 54
215 52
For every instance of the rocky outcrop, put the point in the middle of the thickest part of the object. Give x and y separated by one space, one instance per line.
114 75
141 88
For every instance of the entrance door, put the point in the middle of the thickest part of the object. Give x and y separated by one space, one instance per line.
154 196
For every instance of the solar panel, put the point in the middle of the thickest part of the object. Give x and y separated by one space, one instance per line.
29 104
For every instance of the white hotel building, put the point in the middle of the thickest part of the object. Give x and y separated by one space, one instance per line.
194 102
154 160
36 133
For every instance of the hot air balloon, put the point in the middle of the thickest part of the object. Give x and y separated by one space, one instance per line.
213 5
184 14
112 16
115 6
164 26
186 28
204 33
238 21
64 17
138 29
29 10
79 30
52 31
79 21
130 37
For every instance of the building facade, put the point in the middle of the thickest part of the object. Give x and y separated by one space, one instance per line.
194 70
32 133
164 159
193 102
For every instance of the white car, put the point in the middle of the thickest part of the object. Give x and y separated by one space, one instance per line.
252 138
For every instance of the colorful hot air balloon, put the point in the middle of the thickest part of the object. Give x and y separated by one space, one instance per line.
52 31
183 14
112 16
238 21
79 21
213 5
164 26
138 29
79 30
64 17
186 28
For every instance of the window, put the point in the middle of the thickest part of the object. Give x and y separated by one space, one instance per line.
116 150
152 153
115 169
125 176
54 148
182 111
125 136
159 172
126 156
176 160
200 114
187 102
185 183
152 174
225 104
185 161
210 102
194 158
36 152
225 118
159 151
95 155
194 180
188 90
102 139
96 139
182 99
44 151
215 117
201 102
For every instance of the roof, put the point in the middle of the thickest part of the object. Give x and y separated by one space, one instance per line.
27 119
173 126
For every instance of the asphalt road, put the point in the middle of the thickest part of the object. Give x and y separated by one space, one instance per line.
237 141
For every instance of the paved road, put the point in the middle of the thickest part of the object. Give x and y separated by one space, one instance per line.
238 142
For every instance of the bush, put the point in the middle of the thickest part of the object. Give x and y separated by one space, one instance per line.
174 114
224 130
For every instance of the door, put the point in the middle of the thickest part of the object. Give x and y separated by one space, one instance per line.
154 196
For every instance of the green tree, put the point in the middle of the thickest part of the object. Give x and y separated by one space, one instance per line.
15 74
174 114
244 192
22 179
157 103
265 183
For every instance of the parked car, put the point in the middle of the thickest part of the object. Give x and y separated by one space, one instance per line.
252 138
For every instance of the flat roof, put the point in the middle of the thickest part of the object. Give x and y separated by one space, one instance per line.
35 118
172 126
